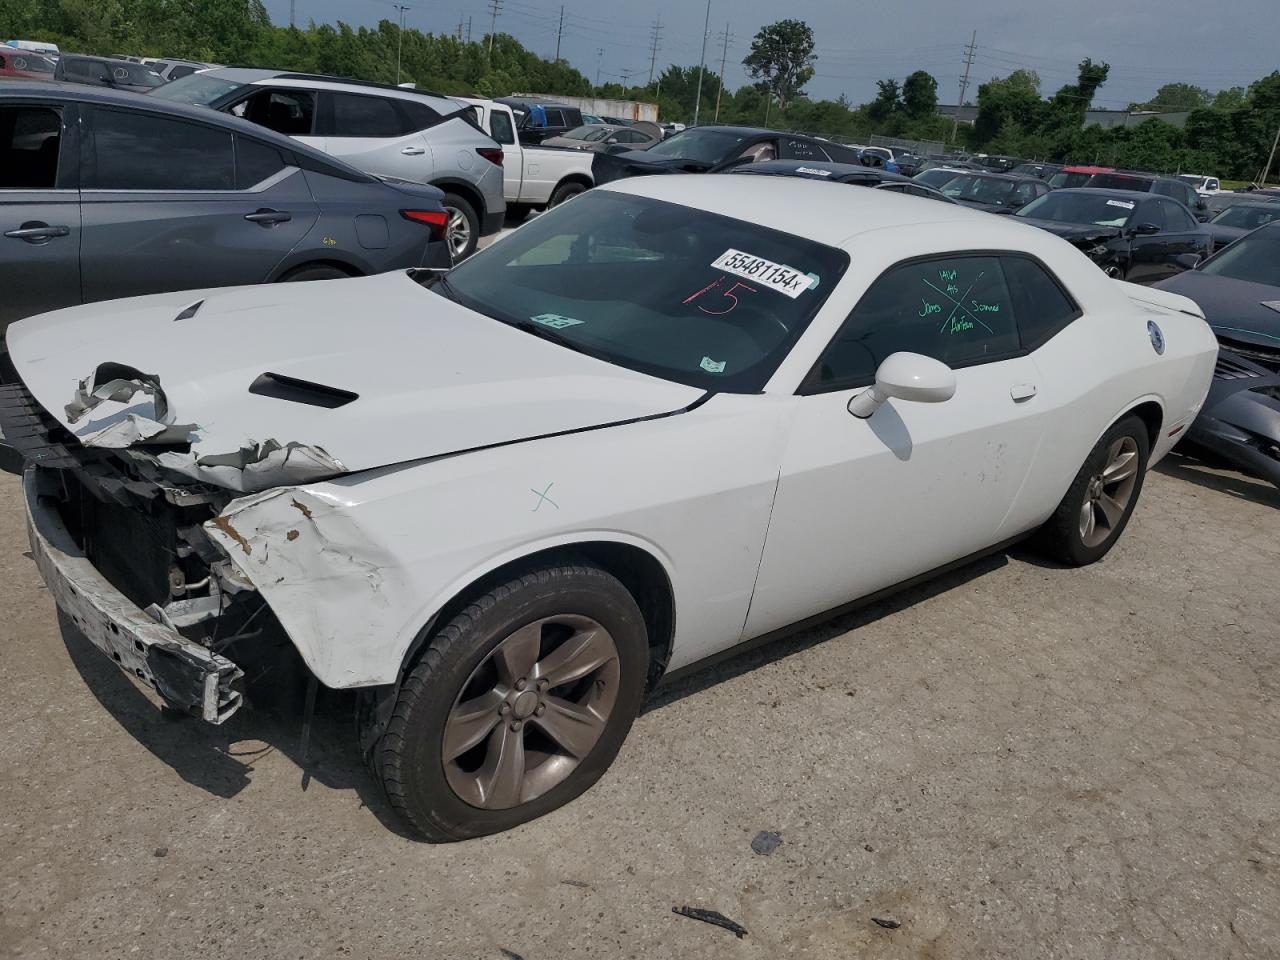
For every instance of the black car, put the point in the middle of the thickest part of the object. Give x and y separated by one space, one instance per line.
993 192
713 149
935 175
1240 218
1149 183
1239 291
996 163
538 120
107 72
841 173
1041 171
1133 236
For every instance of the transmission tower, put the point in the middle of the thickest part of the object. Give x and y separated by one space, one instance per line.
964 82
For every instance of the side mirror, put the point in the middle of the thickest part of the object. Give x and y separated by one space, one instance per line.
1188 261
1145 230
906 376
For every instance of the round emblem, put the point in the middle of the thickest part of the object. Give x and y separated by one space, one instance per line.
1157 336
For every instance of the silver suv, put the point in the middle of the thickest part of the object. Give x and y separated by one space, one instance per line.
391 132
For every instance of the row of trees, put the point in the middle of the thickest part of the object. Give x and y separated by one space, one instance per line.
1229 132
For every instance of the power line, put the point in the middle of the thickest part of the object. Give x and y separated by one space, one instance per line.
964 82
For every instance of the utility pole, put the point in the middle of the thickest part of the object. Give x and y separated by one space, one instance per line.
559 31
702 64
964 83
724 55
495 8
293 20
627 74
599 60
399 39
653 47
468 29
1262 181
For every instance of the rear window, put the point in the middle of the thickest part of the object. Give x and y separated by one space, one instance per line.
500 127
198 89
679 293
1119 181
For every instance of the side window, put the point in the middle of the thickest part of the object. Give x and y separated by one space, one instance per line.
1178 219
359 116
182 71
418 116
1040 306
255 162
141 151
956 309
922 192
500 127
799 150
29 138
555 118
1024 193
291 112
1152 212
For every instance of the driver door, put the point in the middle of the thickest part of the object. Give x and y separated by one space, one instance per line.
863 505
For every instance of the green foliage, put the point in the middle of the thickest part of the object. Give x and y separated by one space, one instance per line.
782 57
920 95
1175 96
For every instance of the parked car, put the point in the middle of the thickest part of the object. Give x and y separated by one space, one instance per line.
908 163
673 416
105 72
1240 218
598 137
21 63
1164 186
173 197
854 174
1132 236
170 70
36 46
994 192
936 176
1239 291
533 177
1041 171
996 163
536 119
712 149
386 131
1075 176
1205 186
1221 201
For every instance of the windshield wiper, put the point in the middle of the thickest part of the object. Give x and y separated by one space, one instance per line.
548 334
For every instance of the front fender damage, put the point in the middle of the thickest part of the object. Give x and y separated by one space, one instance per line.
338 594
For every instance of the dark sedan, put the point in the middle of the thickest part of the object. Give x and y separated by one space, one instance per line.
714 149
842 173
1237 220
1239 291
106 72
174 197
994 192
1132 236
1041 171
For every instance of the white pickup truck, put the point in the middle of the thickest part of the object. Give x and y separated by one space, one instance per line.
533 177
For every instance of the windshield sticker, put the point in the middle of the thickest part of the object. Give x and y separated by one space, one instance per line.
813 171
555 321
787 281
1126 204
712 366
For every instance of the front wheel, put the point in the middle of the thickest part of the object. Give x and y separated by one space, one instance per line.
517 705
1097 507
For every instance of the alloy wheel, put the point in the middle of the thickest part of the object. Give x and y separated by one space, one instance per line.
531 711
457 231
1108 492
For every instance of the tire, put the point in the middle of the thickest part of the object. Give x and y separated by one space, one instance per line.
446 769
463 230
1066 536
566 191
517 213
315 271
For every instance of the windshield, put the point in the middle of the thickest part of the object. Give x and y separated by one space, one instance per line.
199 89
665 289
585 133
1254 257
137 74
1063 180
701 146
1119 181
979 189
936 177
1247 217
1086 209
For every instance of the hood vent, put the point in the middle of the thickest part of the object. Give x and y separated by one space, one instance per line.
280 387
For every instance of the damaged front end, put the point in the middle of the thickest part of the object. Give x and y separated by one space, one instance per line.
1102 249
117 515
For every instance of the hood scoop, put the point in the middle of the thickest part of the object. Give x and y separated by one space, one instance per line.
280 387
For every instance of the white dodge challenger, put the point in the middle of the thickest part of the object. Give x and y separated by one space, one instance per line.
674 416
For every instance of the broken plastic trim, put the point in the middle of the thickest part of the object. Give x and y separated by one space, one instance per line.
256 466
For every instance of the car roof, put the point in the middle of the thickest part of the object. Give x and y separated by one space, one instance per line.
84 93
254 75
1114 192
835 169
799 206
995 175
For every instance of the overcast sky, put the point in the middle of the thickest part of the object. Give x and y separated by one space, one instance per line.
1209 44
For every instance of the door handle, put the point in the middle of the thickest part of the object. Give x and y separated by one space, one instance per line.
269 218
1022 392
36 232
414 151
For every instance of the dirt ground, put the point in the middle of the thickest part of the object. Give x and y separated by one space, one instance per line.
1016 761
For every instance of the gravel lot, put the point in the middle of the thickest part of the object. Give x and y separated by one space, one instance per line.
1016 761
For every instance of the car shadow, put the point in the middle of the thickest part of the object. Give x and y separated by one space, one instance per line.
220 759
1204 473
809 636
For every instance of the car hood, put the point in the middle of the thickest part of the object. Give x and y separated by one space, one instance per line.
390 372
1236 309
1075 232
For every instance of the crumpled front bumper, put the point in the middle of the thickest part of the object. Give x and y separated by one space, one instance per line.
186 675
1240 419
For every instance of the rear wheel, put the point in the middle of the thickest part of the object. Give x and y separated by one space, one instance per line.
566 191
315 271
517 705
462 231
1101 499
